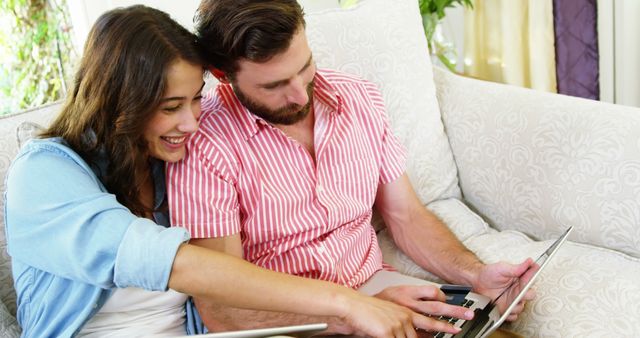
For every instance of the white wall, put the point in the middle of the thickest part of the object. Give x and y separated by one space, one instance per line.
85 12
606 47
453 30
619 46
618 29
627 52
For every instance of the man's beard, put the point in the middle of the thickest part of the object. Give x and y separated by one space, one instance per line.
286 115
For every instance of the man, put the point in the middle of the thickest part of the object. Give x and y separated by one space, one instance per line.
289 162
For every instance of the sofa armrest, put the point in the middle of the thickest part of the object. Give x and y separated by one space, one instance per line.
9 327
538 162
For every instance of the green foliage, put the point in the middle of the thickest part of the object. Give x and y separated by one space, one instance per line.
38 53
433 11
438 6
347 3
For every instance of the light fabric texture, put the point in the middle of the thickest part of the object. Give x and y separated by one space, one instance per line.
8 325
584 292
383 41
511 41
26 131
135 312
581 293
538 162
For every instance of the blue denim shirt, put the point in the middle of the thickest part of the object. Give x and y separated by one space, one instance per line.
71 242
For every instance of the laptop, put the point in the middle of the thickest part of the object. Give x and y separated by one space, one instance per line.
487 319
301 331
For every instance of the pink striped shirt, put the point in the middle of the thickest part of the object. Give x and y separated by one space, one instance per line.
242 175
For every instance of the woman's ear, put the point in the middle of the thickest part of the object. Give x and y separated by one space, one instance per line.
220 75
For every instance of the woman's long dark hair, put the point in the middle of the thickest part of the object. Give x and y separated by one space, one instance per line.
119 85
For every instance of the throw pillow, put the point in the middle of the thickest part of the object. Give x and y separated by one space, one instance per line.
383 41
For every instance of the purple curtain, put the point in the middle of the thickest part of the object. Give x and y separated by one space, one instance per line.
575 25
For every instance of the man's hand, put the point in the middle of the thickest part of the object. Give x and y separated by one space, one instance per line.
380 318
427 299
494 278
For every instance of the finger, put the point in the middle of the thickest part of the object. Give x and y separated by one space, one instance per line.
407 295
513 316
522 267
433 325
410 330
517 309
399 331
531 294
444 309
429 292
529 274
404 326
391 328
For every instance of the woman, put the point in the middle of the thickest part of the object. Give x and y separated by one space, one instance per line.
85 205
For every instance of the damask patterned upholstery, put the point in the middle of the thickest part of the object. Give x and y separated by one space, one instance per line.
538 162
528 164
378 41
8 324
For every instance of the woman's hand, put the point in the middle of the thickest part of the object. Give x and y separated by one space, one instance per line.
379 317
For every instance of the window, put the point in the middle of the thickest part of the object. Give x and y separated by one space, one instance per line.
37 53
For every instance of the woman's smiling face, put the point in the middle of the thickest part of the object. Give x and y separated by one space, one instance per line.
177 116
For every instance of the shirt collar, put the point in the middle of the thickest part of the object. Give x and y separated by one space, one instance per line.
324 93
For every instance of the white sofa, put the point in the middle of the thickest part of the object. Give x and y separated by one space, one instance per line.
508 169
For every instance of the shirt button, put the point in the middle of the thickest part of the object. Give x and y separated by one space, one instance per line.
321 250
320 189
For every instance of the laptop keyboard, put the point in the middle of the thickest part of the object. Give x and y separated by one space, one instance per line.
466 303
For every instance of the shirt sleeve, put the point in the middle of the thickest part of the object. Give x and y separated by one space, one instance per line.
60 220
202 190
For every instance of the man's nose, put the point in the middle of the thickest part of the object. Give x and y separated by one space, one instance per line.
298 93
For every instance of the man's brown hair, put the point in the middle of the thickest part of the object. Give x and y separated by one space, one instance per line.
254 30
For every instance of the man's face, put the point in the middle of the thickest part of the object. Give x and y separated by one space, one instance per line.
279 90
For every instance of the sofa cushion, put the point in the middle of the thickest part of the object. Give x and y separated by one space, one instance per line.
533 161
9 327
383 41
585 291
26 131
